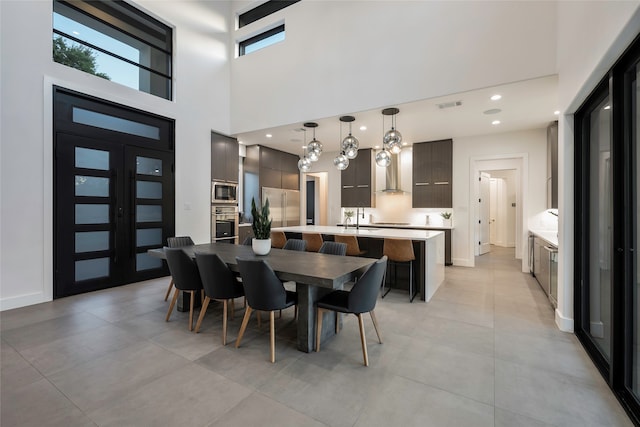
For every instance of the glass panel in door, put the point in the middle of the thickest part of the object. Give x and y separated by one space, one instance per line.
600 228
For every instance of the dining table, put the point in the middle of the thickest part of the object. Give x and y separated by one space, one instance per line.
315 275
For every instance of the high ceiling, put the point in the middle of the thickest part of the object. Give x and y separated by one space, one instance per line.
523 105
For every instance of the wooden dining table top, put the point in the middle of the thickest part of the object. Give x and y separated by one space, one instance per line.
311 268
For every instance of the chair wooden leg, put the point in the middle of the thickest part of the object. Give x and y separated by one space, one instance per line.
173 302
203 310
166 296
272 335
245 320
363 339
375 325
193 295
319 312
224 322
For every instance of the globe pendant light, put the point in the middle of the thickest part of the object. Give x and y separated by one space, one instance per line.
393 138
383 158
304 164
350 144
341 162
315 147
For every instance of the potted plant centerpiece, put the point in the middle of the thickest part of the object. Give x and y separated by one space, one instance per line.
261 242
446 219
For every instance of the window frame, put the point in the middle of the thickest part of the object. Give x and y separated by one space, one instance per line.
242 45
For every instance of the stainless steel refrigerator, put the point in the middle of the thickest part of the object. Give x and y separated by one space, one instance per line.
284 206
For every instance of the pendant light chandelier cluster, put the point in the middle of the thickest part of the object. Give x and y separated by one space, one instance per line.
311 152
349 146
391 141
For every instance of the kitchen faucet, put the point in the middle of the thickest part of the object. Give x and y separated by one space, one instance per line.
358 217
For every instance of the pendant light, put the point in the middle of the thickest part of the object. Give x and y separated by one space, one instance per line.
304 164
383 157
314 149
350 144
341 162
393 138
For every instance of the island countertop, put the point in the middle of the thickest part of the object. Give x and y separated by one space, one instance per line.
369 232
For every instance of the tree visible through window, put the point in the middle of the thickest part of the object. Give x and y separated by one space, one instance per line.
77 56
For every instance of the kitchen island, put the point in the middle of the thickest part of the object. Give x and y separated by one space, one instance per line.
428 248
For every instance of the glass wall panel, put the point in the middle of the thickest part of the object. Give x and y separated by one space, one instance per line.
148 213
91 241
600 227
106 121
148 190
92 159
149 237
92 186
92 269
148 166
92 214
147 262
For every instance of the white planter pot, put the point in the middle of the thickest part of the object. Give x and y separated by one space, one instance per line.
261 246
446 222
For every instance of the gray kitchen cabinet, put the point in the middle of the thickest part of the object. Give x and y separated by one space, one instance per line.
266 167
432 174
224 158
356 182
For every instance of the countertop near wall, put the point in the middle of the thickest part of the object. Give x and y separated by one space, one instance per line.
549 236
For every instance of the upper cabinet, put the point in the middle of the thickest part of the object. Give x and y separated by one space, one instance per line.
432 174
357 180
552 166
273 168
224 158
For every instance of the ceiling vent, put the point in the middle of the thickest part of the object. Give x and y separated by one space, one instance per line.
449 104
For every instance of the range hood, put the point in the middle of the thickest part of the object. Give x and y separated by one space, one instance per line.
392 177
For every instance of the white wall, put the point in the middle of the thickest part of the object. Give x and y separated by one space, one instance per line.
591 36
202 99
345 56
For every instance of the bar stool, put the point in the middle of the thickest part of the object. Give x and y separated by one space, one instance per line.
353 249
400 251
278 239
314 241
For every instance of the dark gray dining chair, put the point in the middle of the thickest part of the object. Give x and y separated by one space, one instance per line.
360 299
333 248
295 245
186 278
264 292
219 284
176 242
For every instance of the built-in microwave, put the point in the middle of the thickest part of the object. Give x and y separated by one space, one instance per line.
223 192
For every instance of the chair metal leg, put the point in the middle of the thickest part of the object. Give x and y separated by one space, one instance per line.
272 335
245 320
319 312
363 340
166 296
173 302
224 322
375 325
384 281
203 310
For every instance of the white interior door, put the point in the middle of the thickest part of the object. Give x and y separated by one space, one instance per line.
484 205
493 210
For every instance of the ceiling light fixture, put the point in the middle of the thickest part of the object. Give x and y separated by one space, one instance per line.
557 112
350 144
392 138
314 149
268 135
363 128
304 164
495 122
341 162
496 97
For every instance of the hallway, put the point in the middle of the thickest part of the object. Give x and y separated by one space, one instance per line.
484 352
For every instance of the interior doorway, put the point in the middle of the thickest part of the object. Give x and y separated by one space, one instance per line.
316 202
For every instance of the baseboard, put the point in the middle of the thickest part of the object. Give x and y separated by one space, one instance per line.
565 324
462 262
22 301
596 329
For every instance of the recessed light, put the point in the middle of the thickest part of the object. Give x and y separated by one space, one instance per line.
496 97
607 107
495 122
376 147
363 128
404 144
557 112
268 135
492 111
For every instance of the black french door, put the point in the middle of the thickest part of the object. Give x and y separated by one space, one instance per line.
113 200
607 285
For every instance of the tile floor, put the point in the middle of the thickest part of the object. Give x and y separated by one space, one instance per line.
484 352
